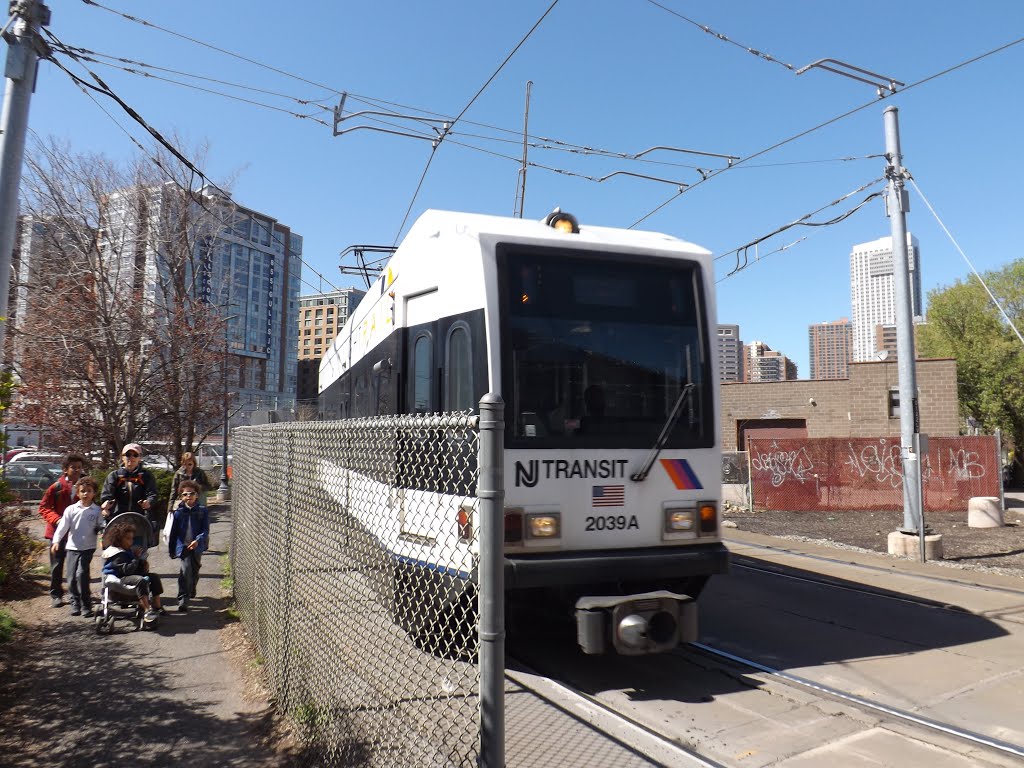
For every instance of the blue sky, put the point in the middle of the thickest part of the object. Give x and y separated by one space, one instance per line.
617 75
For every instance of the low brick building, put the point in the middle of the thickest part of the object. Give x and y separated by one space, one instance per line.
864 405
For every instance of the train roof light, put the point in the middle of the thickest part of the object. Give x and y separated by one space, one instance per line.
563 222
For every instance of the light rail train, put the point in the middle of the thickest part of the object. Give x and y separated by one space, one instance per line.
600 341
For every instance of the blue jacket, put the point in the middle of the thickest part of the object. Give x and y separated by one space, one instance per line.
200 522
120 562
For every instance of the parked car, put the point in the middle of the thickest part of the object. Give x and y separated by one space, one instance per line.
208 459
52 458
156 461
29 479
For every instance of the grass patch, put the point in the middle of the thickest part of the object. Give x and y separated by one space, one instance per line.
7 626
227 582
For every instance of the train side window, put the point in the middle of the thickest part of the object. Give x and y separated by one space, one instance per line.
458 370
423 368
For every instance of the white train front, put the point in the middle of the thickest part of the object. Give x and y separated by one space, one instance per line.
600 342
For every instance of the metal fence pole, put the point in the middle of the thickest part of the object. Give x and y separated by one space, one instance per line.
999 468
491 495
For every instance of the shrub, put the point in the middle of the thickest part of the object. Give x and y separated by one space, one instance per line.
17 548
7 626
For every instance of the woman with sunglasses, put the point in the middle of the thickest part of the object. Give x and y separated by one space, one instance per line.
131 488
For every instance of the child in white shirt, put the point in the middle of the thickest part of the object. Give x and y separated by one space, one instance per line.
80 522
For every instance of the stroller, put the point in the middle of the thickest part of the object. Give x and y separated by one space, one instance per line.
119 602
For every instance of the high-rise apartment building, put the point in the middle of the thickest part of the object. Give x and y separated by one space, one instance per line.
730 353
762 363
830 349
873 294
245 263
321 316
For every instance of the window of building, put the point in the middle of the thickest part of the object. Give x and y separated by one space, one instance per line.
320 313
307 322
894 403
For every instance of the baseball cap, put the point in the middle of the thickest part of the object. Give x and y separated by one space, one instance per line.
132 447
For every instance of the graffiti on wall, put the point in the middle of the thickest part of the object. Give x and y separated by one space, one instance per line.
782 465
867 473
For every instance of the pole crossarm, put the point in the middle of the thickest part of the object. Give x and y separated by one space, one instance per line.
881 82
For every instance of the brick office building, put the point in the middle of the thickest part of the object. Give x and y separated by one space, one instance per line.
864 405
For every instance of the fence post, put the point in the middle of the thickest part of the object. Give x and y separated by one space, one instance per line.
999 469
491 495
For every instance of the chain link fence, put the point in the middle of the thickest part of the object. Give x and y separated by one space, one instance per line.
806 474
354 558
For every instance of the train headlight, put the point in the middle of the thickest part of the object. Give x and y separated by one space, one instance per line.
678 520
543 526
563 222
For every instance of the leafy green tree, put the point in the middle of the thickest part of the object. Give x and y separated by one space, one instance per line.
964 323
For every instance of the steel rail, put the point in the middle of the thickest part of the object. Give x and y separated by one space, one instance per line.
900 714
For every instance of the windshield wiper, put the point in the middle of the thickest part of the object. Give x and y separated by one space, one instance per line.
670 423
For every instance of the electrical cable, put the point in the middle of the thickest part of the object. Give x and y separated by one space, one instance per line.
212 47
127 65
723 38
106 91
836 119
551 144
465 109
200 88
742 253
974 271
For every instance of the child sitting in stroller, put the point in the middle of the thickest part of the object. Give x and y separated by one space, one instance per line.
126 572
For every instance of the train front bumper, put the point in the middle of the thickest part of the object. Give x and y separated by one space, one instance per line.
648 564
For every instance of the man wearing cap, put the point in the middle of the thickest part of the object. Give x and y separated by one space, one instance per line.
130 488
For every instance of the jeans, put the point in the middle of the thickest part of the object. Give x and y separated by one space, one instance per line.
188 576
57 571
78 577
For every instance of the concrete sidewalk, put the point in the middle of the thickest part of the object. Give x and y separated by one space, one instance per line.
173 697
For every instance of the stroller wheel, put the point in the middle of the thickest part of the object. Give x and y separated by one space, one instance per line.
104 624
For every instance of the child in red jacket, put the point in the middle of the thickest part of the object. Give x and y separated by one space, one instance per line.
56 499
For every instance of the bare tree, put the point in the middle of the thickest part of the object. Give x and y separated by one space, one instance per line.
117 339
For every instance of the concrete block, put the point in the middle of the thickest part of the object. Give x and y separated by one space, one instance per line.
909 545
984 512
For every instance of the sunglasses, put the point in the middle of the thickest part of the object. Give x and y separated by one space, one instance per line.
132 455
187 494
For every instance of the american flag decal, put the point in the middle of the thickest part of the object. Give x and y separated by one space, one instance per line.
608 496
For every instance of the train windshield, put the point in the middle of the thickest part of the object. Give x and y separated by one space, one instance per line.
599 350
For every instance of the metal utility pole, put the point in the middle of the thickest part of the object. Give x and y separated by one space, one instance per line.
23 49
897 204
517 208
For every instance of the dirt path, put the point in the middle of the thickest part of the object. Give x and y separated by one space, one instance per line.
181 695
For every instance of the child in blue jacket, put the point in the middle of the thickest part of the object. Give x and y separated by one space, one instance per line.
124 568
188 539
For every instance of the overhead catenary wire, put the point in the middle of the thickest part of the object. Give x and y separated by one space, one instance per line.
828 122
548 142
465 109
742 252
105 90
719 36
255 62
202 89
970 264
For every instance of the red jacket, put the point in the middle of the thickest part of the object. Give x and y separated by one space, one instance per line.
58 497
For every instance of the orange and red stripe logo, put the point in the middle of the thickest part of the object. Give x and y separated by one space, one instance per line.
682 474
